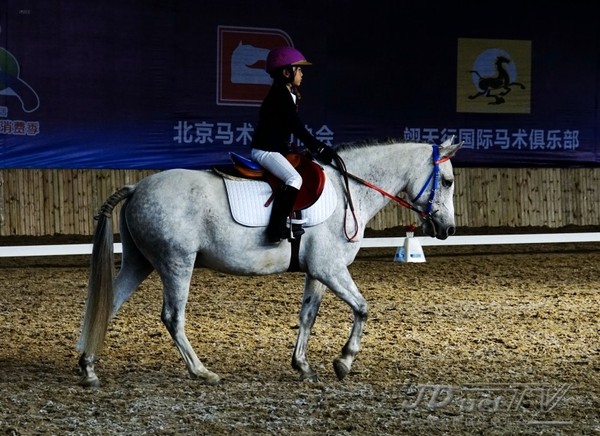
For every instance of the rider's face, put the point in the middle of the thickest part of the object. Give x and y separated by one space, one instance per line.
297 76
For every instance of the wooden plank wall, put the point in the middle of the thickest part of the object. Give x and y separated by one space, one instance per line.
47 202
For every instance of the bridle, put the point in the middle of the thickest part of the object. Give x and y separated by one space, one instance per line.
426 215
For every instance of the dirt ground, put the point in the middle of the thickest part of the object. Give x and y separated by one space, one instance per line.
476 340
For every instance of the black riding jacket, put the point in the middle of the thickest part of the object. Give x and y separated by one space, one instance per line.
278 120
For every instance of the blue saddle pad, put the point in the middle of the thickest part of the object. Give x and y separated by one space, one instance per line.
238 159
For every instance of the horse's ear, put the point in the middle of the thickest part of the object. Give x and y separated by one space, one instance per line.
448 149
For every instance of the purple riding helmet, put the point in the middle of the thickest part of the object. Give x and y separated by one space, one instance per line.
282 57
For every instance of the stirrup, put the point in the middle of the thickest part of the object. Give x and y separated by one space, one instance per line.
296 221
294 225
294 231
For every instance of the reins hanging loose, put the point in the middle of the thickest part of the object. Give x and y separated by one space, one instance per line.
341 167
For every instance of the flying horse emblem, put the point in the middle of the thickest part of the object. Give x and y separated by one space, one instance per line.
174 221
498 86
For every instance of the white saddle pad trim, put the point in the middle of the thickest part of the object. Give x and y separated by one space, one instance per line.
247 200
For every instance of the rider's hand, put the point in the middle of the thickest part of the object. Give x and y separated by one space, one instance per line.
325 154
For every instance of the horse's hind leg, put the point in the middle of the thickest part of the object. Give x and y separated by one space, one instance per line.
311 301
175 294
134 269
89 379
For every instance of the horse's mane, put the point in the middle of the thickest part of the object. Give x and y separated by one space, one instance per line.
367 143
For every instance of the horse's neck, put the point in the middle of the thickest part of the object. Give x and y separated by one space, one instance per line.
388 167
502 73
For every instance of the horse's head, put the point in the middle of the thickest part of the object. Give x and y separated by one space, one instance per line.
435 199
502 60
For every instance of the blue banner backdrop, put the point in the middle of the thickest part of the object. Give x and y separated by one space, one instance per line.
155 85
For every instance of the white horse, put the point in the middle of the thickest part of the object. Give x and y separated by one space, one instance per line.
175 220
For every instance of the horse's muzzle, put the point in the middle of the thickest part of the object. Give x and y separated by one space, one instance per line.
431 228
449 231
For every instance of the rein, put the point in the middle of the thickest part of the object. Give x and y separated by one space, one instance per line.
425 214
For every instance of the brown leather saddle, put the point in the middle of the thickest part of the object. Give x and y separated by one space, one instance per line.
313 176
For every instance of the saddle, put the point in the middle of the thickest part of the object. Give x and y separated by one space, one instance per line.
313 176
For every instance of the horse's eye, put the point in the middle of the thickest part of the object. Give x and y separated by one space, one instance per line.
446 183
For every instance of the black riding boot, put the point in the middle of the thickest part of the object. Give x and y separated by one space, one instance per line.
283 205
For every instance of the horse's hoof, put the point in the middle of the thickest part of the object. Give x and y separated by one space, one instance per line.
340 368
89 382
310 377
212 379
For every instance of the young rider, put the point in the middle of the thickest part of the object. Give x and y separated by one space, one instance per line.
278 120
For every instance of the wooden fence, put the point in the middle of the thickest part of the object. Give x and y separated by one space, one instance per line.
49 202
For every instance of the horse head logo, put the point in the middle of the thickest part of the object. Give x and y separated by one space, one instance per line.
248 65
498 84
12 84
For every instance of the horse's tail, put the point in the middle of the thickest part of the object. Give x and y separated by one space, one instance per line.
100 296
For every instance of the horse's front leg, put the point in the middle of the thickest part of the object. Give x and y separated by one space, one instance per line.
344 287
86 370
311 301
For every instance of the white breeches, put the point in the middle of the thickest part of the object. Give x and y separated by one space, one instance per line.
277 164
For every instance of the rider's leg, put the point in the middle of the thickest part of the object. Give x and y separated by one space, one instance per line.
283 206
284 199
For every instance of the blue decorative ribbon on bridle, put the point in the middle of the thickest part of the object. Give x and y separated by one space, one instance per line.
435 177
